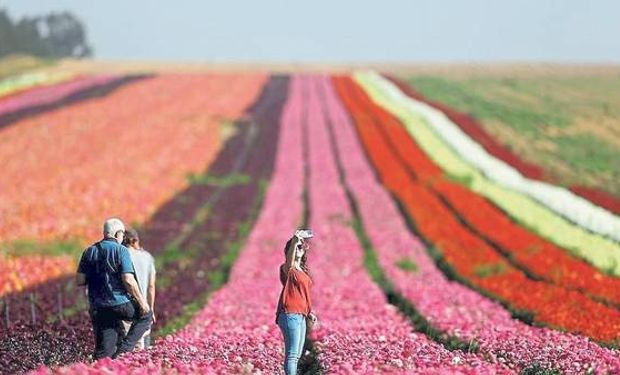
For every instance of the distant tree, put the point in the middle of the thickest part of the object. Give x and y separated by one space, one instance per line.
26 38
65 35
54 35
6 34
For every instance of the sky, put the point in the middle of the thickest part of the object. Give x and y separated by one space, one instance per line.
345 30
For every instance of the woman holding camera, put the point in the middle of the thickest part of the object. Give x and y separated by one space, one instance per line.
294 314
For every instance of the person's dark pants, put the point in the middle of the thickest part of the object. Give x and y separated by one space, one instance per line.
107 324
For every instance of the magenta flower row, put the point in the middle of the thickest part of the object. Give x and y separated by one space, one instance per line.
49 94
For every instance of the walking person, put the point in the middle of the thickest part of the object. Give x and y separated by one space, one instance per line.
144 266
294 313
113 293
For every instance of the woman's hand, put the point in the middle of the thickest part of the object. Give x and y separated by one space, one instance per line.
313 319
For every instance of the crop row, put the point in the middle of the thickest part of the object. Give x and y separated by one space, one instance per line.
16 84
558 199
474 260
361 333
156 131
235 331
452 309
47 98
539 258
185 275
69 183
67 171
476 131
229 196
16 272
601 252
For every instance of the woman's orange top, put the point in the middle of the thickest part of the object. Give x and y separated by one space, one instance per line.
295 295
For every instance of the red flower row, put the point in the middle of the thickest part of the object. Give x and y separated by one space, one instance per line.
540 257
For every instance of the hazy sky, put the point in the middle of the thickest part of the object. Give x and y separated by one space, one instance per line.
345 30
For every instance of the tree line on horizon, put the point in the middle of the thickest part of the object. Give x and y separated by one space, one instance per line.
55 35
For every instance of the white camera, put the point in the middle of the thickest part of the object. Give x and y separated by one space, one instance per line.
304 234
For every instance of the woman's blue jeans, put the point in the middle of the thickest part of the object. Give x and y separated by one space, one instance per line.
293 328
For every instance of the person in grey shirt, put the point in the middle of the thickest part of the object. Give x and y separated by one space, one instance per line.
106 270
144 266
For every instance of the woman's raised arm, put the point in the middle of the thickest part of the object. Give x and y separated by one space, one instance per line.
290 257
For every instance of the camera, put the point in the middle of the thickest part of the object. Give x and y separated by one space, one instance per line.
304 234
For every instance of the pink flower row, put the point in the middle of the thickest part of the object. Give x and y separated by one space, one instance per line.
449 306
49 94
361 332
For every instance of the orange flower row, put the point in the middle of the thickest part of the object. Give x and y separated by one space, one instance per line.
389 147
16 273
120 155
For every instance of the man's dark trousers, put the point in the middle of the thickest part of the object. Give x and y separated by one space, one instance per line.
107 324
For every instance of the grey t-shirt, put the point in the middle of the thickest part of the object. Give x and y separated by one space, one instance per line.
144 266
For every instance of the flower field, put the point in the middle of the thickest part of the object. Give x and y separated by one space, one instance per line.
435 251
57 308
449 307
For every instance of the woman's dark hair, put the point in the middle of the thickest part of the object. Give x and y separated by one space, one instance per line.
290 246
131 236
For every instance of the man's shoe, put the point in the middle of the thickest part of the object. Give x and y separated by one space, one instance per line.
118 354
